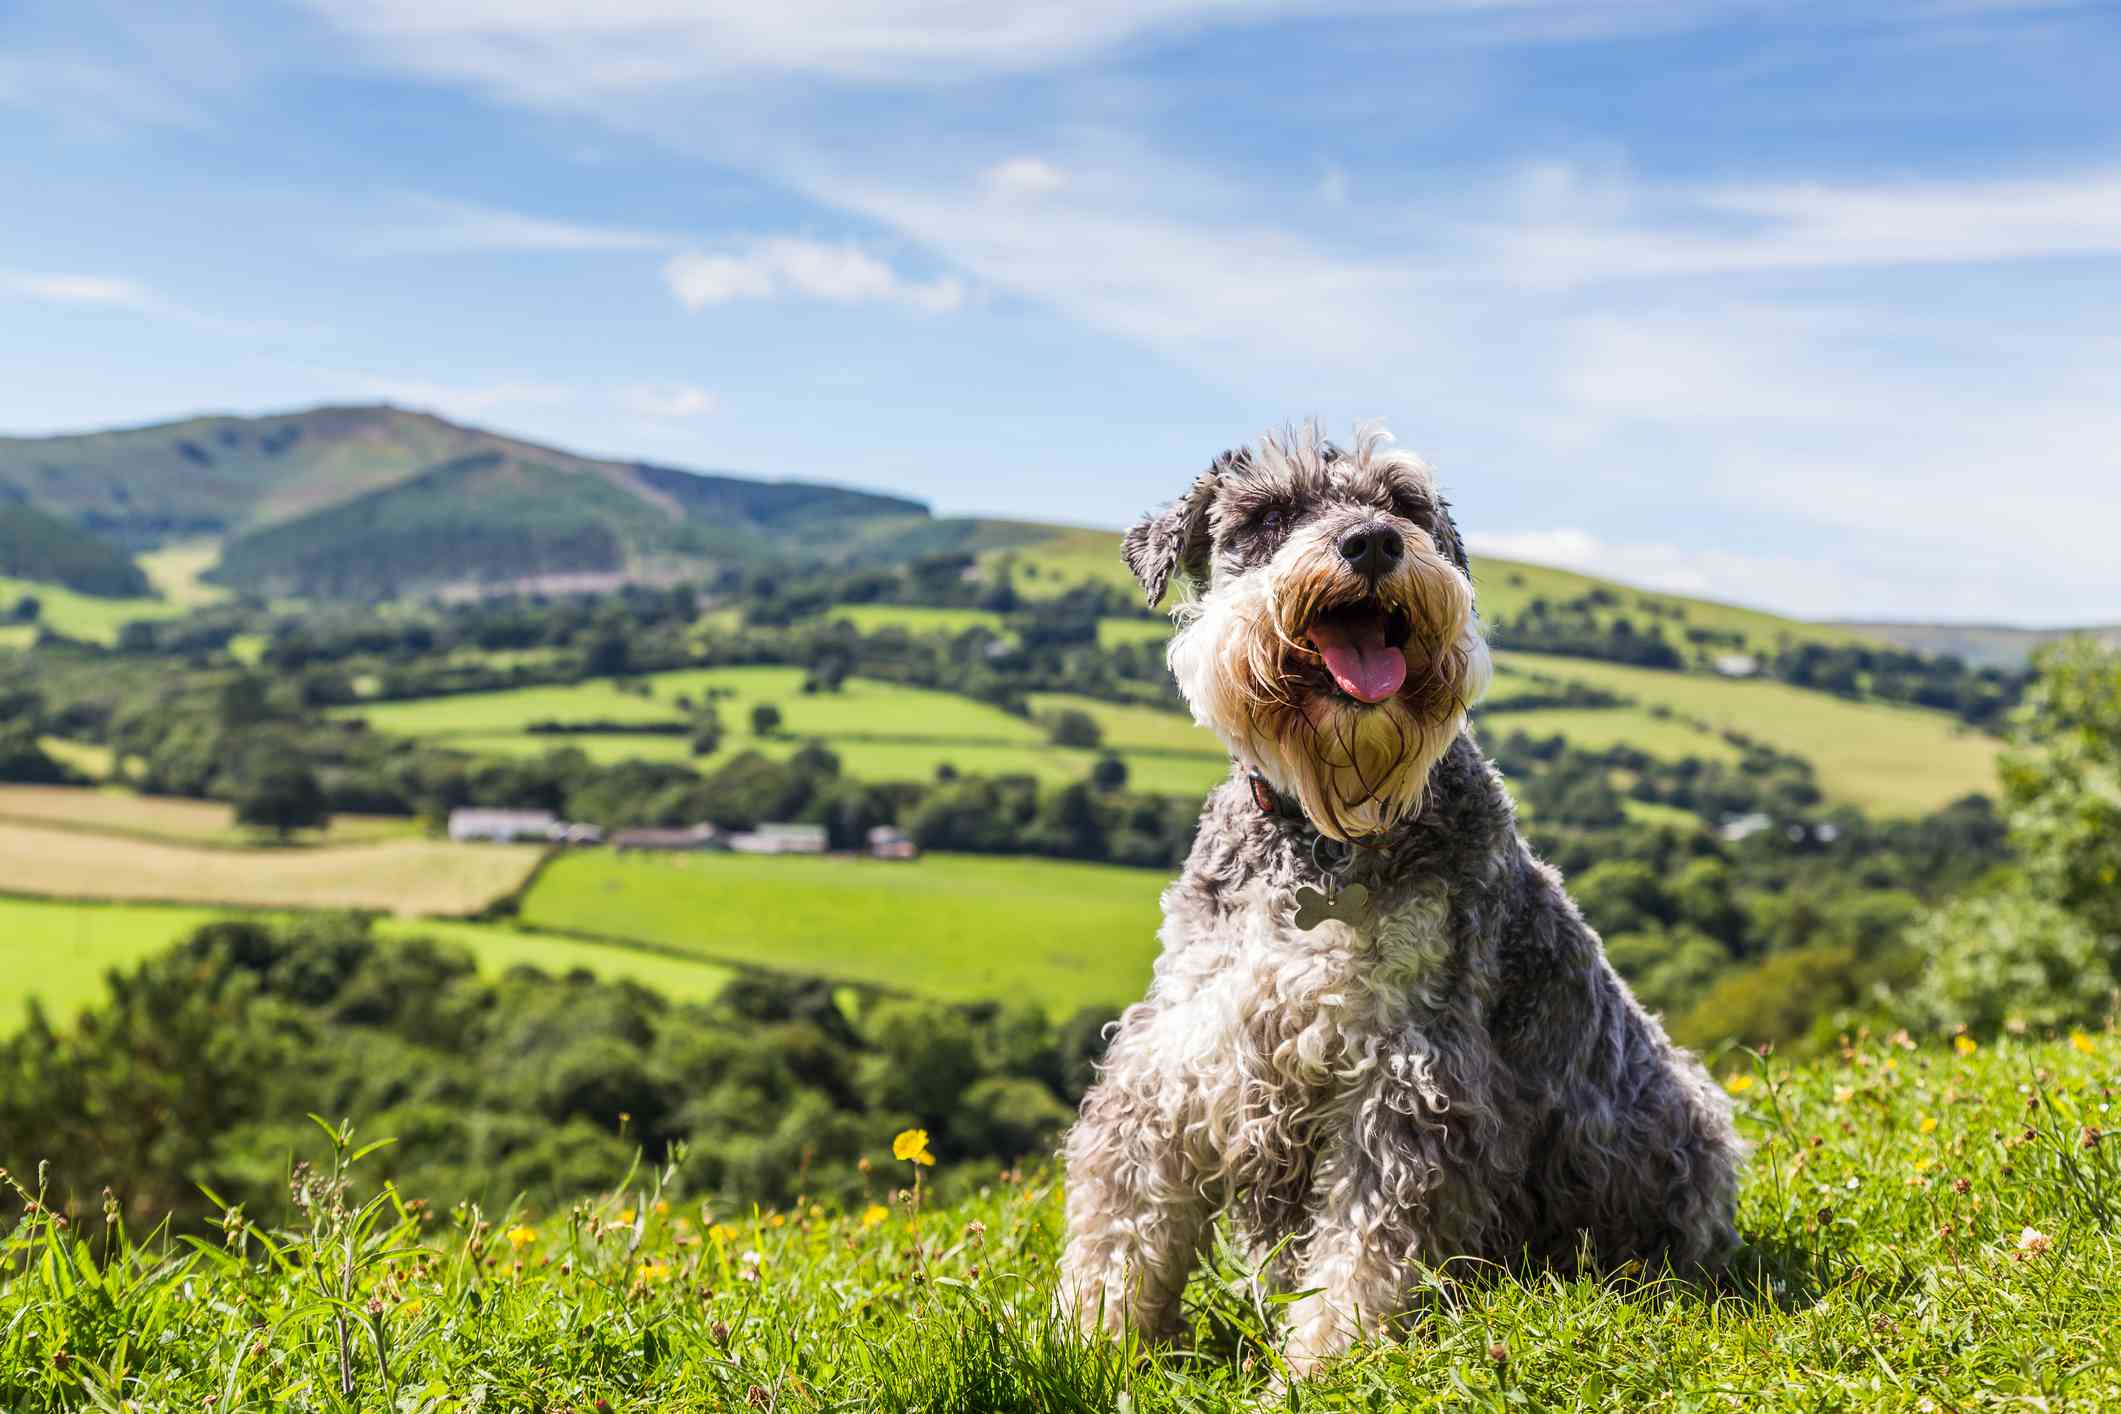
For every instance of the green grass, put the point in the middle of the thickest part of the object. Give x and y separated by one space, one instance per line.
1073 556
880 731
58 952
915 618
1903 1255
959 927
1599 728
81 616
1887 759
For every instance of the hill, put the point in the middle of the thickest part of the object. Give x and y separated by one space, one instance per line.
305 499
1982 645
41 547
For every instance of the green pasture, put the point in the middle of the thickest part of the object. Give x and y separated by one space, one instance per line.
960 927
915 618
1075 556
1889 759
80 616
57 952
1601 728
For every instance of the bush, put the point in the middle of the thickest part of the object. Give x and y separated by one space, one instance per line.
2006 956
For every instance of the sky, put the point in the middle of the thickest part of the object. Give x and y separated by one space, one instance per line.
1811 306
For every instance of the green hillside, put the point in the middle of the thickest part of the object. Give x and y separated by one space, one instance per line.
1982 645
37 546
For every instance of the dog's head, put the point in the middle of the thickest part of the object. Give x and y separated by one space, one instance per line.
1329 638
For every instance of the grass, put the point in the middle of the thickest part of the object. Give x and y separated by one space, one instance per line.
1904 1254
166 819
87 757
58 952
410 876
1597 728
957 927
1075 556
1887 759
81 616
880 731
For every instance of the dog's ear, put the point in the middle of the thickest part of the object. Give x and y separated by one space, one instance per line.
1175 538
1448 539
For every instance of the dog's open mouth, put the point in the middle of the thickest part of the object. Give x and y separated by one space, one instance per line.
1363 644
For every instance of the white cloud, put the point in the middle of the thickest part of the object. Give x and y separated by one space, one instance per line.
562 51
107 290
1028 176
1572 230
840 273
453 227
667 400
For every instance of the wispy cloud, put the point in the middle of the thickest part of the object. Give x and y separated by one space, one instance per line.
781 266
107 291
1572 229
669 401
560 51
443 227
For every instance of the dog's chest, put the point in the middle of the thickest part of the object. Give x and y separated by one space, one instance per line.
1280 1023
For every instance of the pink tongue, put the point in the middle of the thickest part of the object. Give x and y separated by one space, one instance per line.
1366 667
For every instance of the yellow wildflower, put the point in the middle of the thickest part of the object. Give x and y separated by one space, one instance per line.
662 1209
1964 1045
874 1214
626 1217
1928 1125
1737 1083
520 1236
777 1220
722 1232
2081 1041
653 1271
912 1146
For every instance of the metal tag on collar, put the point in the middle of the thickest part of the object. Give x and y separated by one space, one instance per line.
1343 902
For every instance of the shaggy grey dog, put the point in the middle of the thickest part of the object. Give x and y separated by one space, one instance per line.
1379 1031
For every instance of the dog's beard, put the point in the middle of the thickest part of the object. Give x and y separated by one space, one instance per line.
1246 665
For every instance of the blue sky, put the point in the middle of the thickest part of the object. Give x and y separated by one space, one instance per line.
1813 306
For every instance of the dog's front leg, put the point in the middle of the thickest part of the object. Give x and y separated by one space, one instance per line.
1136 1213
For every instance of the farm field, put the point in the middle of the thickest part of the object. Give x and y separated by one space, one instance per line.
880 731
410 876
1076 555
1600 728
922 618
80 616
1889 759
1896 1258
57 952
958 927
168 819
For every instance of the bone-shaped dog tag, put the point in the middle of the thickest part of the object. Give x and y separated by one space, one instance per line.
1346 905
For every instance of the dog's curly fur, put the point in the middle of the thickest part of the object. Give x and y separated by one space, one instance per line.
1457 1074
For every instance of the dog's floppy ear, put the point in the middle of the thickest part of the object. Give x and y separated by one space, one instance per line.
1175 538
1448 539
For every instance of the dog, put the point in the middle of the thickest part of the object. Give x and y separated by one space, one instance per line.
1379 1032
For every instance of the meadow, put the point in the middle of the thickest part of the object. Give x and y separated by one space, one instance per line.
1075 555
404 876
952 927
58 951
174 820
1883 758
1927 1228
880 731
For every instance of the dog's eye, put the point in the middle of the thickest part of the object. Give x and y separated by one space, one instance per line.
1271 522
1408 506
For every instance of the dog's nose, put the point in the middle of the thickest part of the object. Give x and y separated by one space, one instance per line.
1371 550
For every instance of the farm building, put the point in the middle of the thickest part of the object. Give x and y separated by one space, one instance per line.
889 842
696 837
781 839
503 826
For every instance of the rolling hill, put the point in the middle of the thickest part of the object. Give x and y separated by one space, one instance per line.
41 547
364 502
1982 645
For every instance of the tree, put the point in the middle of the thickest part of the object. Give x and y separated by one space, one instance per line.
1071 726
283 795
765 719
1110 773
706 731
2062 784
